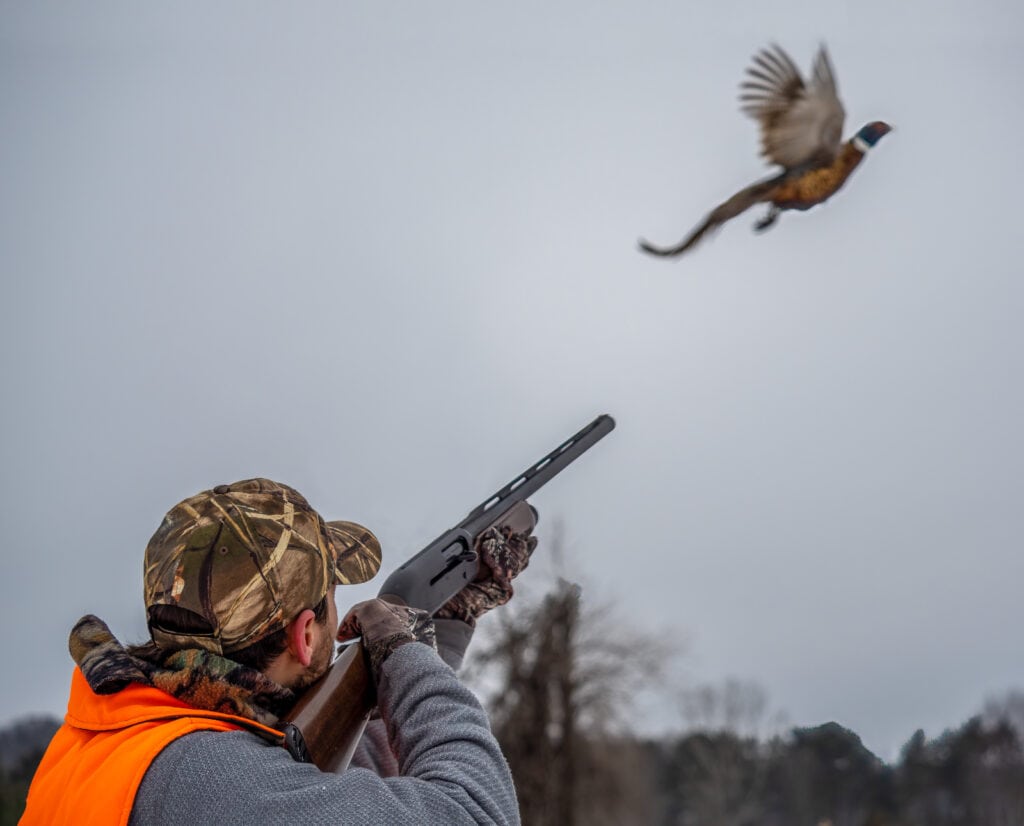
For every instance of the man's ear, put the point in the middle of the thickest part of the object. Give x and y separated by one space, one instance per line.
301 636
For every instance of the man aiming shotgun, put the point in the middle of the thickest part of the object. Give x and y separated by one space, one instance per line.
239 589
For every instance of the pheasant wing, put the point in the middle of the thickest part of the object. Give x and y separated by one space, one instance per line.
801 123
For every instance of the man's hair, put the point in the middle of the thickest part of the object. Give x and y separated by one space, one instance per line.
261 654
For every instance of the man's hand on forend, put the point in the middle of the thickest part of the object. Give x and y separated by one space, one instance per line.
503 555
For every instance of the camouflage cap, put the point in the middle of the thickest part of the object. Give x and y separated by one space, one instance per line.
232 565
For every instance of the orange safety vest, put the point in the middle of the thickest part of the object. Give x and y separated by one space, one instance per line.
95 762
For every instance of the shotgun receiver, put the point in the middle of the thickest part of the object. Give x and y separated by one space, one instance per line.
326 723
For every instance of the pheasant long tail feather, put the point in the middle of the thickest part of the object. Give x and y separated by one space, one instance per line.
737 204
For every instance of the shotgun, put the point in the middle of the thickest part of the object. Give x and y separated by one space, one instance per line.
327 721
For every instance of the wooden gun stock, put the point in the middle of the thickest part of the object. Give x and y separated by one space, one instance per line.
326 723
328 720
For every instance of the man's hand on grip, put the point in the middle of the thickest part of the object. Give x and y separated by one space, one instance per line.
384 627
503 555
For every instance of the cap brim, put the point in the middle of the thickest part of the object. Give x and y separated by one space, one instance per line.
357 552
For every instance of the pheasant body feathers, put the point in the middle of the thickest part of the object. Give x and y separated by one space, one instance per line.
816 185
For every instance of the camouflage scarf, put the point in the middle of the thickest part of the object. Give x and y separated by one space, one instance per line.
195 676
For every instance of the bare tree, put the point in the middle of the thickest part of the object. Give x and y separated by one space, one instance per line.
722 763
736 706
563 677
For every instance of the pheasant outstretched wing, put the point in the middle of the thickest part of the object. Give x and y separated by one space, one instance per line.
801 123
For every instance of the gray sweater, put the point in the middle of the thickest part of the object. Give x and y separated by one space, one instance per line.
432 730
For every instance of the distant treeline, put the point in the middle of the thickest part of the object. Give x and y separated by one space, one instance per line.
973 776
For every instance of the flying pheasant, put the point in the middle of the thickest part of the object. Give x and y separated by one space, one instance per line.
801 131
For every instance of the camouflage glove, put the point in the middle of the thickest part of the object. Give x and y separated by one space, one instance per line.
384 627
503 556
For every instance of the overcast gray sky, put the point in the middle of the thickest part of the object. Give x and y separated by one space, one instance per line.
386 253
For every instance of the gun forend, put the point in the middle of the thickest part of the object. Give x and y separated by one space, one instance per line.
449 563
